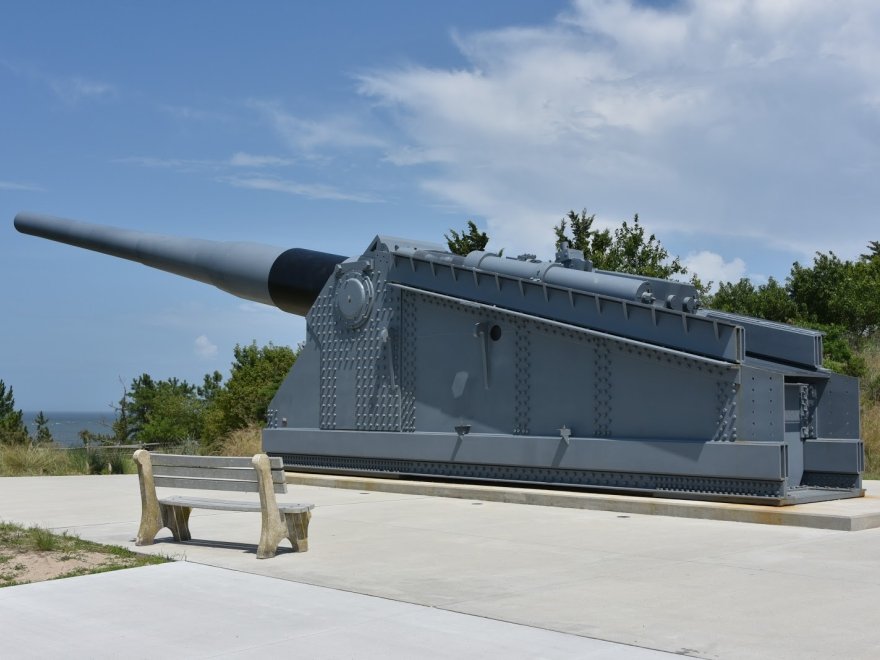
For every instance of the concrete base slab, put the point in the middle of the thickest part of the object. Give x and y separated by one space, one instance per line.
186 610
696 587
847 515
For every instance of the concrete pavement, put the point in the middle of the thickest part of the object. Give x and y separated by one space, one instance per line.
699 587
190 610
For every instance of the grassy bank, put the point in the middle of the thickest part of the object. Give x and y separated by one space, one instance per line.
35 554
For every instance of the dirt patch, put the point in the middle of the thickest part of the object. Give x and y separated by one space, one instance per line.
35 554
36 566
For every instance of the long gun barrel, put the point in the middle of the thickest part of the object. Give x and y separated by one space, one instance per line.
289 279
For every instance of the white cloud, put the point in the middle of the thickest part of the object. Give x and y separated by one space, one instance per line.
754 118
259 179
70 89
250 160
310 135
193 114
204 348
16 185
407 155
237 160
711 267
309 190
75 88
178 164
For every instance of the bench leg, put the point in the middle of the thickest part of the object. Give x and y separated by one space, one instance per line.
151 523
176 518
295 527
271 534
298 530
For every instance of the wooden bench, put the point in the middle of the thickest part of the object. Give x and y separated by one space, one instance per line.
259 474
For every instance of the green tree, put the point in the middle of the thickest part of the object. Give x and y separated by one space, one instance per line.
92 439
256 374
211 385
838 349
467 241
839 298
13 430
160 411
769 301
837 292
122 425
631 252
627 250
43 435
137 402
594 243
873 252
175 415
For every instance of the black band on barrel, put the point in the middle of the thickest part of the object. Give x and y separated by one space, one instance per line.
297 277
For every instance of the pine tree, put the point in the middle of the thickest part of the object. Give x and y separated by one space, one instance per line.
467 241
12 428
43 434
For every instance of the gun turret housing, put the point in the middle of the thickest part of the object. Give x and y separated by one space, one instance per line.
420 362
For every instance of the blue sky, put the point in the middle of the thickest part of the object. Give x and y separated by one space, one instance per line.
746 134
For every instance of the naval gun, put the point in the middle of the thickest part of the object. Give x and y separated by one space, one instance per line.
427 364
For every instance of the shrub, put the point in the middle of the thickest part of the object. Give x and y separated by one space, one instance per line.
105 461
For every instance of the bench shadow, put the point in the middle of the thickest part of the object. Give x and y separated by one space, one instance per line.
246 548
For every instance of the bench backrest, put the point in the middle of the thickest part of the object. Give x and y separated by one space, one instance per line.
213 473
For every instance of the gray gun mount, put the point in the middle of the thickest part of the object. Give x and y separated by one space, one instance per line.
422 363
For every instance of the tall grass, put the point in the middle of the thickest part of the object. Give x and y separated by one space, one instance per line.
871 409
43 539
35 461
241 442
52 460
871 438
25 460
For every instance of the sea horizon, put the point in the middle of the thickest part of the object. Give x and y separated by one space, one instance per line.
66 425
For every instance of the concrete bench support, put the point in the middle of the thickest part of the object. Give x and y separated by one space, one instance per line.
279 521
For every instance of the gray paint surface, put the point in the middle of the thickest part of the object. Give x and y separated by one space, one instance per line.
239 268
421 362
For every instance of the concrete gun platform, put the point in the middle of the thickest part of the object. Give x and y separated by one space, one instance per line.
705 588
851 515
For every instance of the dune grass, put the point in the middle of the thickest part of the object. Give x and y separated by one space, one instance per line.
51 460
871 409
241 442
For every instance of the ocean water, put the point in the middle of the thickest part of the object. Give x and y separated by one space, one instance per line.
65 426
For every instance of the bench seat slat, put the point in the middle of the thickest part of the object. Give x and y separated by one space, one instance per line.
230 505
215 484
240 474
182 460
